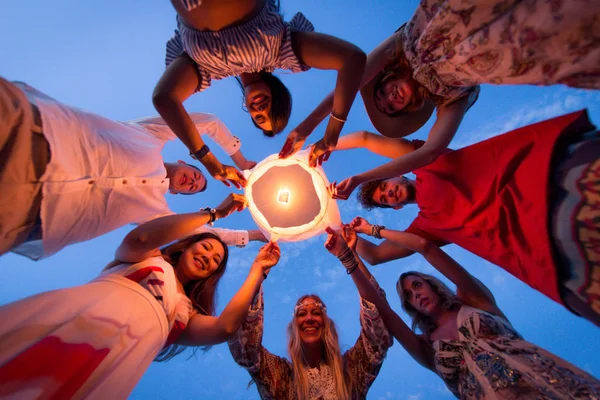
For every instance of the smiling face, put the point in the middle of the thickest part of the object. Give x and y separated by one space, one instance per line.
185 179
201 259
421 296
257 97
394 192
310 321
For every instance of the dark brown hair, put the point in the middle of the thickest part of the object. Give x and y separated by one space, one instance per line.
203 292
365 195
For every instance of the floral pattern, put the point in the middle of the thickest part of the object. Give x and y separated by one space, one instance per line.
273 375
452 45
492 361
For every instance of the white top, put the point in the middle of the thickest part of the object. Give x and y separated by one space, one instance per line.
105 174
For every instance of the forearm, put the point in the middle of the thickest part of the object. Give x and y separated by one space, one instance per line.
402 165
180 122
239 160
161 231
407 240
382 253
234 313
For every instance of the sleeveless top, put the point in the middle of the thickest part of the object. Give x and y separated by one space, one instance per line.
490 360
158 277
262 44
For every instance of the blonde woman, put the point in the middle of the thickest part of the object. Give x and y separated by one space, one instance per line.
464 337
317 369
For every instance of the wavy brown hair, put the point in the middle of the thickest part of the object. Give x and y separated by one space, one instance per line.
448 300
332 356
365 195
202 292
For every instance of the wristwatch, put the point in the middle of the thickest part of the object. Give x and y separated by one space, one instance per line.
204 150
213 215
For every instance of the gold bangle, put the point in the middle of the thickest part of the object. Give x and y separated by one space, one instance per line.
343 121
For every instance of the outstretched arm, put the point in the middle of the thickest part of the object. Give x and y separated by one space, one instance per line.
146 239
442 132
378 144
469 289
203 330
179 82
412 343
323 51
376 61
378 254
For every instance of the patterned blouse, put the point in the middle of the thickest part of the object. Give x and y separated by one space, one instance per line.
262 44
158 277
490 360
273 375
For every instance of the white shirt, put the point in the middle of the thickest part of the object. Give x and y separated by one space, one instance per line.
105 174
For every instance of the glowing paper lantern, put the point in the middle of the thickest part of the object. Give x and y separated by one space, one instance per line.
288 200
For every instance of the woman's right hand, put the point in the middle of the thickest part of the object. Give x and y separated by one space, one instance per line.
268 256
361 225
233 202
294 142
335 243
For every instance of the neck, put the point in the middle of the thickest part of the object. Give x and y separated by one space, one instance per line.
181 277
441 318
313 354
249 78
169 167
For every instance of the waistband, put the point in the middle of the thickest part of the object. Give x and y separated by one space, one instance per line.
129 284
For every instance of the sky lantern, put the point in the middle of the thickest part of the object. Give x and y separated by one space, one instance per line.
288 199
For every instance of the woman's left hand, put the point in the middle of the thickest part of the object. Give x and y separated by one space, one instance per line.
319 153
344 189
335 243
293 143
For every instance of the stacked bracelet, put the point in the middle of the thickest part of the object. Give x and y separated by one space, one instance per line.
338 119
348 261
376 231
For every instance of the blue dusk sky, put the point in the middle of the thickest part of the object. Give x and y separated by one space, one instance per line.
106 57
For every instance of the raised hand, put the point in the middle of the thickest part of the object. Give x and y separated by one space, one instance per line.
268 256
361 225
349 235
344 189
230 175
319 153
335 243
293 143
233 202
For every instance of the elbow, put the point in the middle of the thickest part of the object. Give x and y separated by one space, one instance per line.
228 331
357 58
372 259
432 155
426 247
162 100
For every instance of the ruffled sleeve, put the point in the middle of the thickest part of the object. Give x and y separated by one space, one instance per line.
272 374
287 58
365 358
174 50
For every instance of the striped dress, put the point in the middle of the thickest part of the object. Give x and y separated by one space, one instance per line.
261 44
93 341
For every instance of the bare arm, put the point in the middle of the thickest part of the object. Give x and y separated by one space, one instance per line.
376 61
378 144
378 254
146 239
470 289
205 330
323 51
442 133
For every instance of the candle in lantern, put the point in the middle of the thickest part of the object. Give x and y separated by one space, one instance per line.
283 196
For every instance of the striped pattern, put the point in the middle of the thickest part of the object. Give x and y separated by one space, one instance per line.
191 4
261 44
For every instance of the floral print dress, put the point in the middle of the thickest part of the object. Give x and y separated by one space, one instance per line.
454 45
273 375
490 360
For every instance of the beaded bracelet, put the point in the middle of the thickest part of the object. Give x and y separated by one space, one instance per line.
376 231
348 260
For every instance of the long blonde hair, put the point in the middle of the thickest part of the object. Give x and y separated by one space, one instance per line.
447 298
332 356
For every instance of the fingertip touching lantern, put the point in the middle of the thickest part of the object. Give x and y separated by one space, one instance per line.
288 199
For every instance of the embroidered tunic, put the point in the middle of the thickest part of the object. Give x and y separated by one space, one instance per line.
273 375
490 360
262 44
454 45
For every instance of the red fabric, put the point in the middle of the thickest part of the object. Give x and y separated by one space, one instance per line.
492 199
143 273
68 364
176 331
